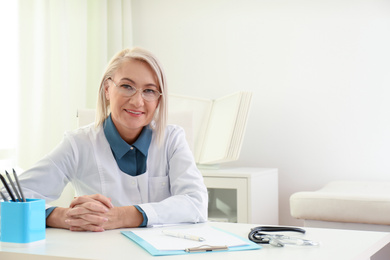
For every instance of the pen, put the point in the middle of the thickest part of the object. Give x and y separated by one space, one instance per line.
206 248
2 195
13 186
7 187
181 235
20 188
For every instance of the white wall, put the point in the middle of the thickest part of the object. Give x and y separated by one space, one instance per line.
319 70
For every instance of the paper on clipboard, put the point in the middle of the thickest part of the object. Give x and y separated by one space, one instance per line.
158 244
212 236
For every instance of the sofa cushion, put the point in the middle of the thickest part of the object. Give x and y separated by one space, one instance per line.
345 201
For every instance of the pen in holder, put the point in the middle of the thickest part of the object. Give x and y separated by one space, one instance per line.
23 222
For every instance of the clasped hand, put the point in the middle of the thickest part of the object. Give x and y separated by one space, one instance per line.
91 213
94 213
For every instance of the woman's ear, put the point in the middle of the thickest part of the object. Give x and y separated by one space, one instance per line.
106 91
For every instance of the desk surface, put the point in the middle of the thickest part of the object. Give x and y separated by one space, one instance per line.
64 244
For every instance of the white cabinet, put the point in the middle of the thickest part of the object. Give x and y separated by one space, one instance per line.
243 195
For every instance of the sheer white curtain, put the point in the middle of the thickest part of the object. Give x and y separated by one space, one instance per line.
9 83
64 48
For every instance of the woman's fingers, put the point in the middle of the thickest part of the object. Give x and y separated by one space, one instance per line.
87 217
91 198
86 220
86 208
92 213
87 228
89 222
85 214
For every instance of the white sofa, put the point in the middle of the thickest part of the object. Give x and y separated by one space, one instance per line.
359 205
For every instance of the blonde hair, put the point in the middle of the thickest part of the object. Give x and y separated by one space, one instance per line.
160 116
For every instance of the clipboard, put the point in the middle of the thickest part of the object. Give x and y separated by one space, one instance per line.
204 248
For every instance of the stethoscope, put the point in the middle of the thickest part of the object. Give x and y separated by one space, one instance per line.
256 235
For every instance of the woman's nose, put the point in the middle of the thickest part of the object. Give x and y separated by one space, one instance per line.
137 99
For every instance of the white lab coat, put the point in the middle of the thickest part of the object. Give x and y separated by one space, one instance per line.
170 191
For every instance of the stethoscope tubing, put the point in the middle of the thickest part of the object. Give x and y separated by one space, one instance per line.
256 235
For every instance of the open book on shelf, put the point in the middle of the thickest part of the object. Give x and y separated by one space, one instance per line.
218 126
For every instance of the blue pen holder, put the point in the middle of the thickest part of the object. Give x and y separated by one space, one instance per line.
23 222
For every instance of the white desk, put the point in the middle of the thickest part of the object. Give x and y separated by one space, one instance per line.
64 244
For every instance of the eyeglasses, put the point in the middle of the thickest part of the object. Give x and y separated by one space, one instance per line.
129 91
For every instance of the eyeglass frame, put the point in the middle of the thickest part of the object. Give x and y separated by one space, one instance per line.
136 90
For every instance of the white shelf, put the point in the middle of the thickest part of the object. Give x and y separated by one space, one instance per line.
243 195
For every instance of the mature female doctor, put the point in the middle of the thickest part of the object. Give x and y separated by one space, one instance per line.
129 169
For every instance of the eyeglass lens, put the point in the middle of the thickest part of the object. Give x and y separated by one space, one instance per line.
129 91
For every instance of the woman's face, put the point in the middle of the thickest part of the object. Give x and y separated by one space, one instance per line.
131 114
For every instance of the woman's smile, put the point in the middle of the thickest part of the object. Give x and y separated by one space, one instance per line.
134 112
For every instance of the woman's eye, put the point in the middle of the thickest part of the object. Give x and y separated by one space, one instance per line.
126 86
149 91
